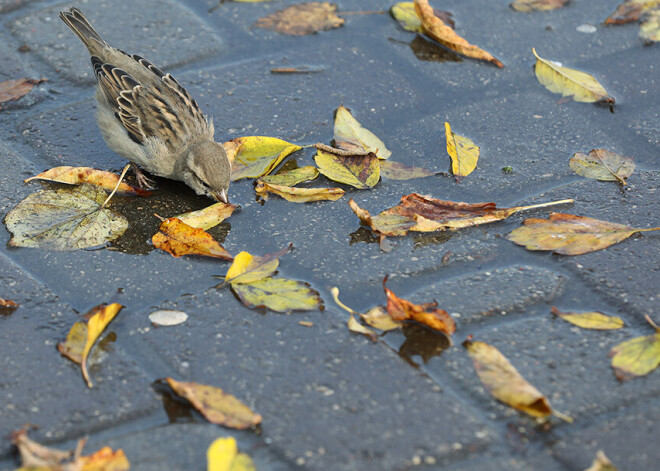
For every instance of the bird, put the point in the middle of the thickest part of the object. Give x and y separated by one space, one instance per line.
147 117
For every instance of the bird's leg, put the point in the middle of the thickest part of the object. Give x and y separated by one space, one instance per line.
143 181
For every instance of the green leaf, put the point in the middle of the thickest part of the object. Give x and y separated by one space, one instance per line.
404 13
255 156
601 164
292 177
359 171
278 294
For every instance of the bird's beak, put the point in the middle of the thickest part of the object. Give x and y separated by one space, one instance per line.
220 196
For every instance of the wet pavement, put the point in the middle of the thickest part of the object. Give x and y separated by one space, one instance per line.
332 399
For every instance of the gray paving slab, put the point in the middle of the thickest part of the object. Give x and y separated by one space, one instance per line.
17 168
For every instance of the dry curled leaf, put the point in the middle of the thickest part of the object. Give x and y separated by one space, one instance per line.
223 455
567 234
590 320
255 156
351 136
602 164
359 171
445 35
631 10
601 463
178 238
539 5
12 90
302 19
638 356
299 195
208 217
463 153
7 307
376 317
217 406
78 175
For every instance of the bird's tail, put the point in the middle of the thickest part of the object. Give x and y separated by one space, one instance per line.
75 20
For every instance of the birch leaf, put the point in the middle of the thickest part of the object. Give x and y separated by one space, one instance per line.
78 175
359 171
208 217
255 156
223 455
278 294
398 171
590 320
299 195
351 136
177 238
540 5
302 19
247 268
404 13
638 356
567 234
581 86
292 177
601 164
463 153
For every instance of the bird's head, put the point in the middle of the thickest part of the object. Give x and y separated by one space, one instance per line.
207 170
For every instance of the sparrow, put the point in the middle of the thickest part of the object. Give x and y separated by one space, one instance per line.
147 117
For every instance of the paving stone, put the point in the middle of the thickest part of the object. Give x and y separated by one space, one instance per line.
165 32
539 462
16 169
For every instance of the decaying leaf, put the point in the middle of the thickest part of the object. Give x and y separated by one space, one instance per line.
64 219
217 406
223 455
302 19
601 164
601 463
278 294
541 5
178 238
248 268
299 195
502 380
355 326
376 317
351 136
208 217
77 175
83 335
359 171
292 177
7 307
567 234
255 156
631 10
649 30
426 214
427 314
437 29
581 86
463 153
590 320
12 90
638 356
398 171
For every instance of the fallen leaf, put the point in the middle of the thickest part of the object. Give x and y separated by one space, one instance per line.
601 463
376 317
247 268
631 10
292 177
581 86
359 171
540 5
105 460
217 406
255 156
502 380
649 30
64 219
351 136
34 455
86 334
167 317
590 320
302 19
427 314
12 90
356 327
638 356
437 29
601 164
463 153
405 14
77 175
178 238
223 455
299 195
208 217
425 214
278 294
398 171
7 307
567 234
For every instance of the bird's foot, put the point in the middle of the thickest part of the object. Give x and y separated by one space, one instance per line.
143 181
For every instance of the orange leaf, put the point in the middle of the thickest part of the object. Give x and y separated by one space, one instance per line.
7 307
105 460
178 238
12 90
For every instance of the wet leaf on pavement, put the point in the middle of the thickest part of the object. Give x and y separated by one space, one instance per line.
178 238
208 217
590 320
638 356
580 86
649 30
65 219
601 463
540 5
217 406
437 29
405 14
398 171
601 164
351 136
463 153
255 156
299 195
376 317
248 268
359 171
292 177
568 234
77 175
12 90
302 19
223 455
502 380
7 307
631 10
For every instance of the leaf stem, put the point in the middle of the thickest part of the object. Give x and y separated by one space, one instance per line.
564 417
653 324
543 205
335 295
649 229
121 177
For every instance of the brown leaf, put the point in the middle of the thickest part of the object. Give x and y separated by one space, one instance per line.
427 314
631 10
12 90
78 175
178 238
302 19
567 234
445 35
7 307
540 5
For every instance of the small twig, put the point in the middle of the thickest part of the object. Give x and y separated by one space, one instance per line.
121 177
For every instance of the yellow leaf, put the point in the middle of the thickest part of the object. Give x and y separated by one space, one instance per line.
649 30
221 454
178 238
292 177
581 86
105 460
359 171
217 406
463 152
352 136
638 356
404 13
356 327
77 175
602 164
100 317
601 463
254 156
302 19
567 234
248 268
504 382
208 217
590 320
73 346
299 195
278 294
378 318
